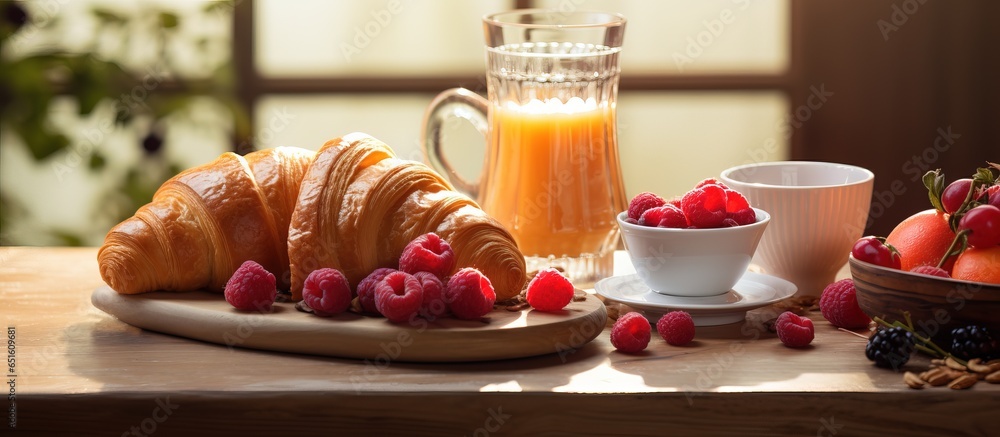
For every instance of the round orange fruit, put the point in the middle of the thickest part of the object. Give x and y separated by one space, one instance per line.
922 239
980 265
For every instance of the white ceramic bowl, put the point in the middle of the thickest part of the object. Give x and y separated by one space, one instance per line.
692 262
818 210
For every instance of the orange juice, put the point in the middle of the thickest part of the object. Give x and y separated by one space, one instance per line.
552 176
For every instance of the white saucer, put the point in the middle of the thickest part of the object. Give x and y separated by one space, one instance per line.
754 290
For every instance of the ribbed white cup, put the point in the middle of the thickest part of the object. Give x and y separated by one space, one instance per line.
818 210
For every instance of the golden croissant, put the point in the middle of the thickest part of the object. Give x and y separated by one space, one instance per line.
352 206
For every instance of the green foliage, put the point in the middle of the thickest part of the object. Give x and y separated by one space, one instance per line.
29 83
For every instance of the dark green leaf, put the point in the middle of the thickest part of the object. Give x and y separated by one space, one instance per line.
97 162
934 181
219 6
168 20
68 238
108 16
88 100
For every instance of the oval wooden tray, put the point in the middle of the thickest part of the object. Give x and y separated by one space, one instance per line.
501 334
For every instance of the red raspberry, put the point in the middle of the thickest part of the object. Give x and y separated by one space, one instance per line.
469 294
711 181
251 288
738 209
434 305
793 330
839 305
366 289
549 291
676 327
931 270
705 207
667 216
643 201
398 296
327 292
630 333
675 202
631 220
428 253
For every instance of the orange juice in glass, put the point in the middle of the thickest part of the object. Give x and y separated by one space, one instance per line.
552 175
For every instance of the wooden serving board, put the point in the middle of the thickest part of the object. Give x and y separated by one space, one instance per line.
501 334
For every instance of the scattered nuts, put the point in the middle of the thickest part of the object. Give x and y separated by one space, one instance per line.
951 363
937 362
963 382
938 377
993 378
912 380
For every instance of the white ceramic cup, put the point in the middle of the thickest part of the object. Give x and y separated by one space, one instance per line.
818 210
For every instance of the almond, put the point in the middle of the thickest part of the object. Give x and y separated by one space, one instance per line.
993 378
963 382
913 381
939 376
952 364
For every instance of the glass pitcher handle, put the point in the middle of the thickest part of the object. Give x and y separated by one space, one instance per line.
456 102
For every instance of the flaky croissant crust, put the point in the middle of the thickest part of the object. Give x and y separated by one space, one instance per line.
353 206
359 206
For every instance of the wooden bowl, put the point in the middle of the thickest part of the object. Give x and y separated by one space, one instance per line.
936 305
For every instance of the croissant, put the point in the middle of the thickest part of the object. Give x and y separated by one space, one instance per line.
206 221
351 206
359 206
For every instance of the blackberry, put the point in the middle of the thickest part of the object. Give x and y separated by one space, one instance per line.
974 342
890 348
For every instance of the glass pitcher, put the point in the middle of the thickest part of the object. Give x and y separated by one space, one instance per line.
552 175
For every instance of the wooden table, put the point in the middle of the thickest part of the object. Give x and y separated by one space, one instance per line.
79 371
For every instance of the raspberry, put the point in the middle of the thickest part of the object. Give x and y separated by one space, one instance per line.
793 330
434 305
549 291
839 305
738 208
428 253
705 207
643 201
366 289
630 333
931 270
676 327
398 296
667 216
675 202
327 292
974 342
469 294
890 348
711 181
631 220
251 288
